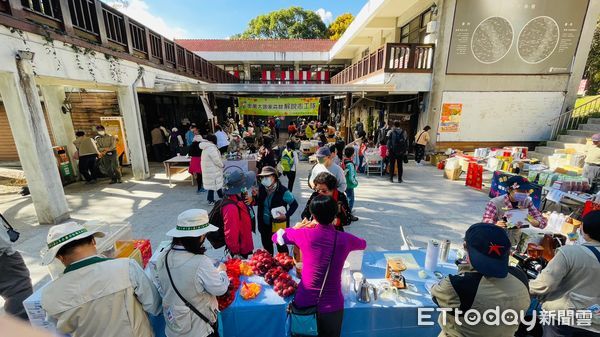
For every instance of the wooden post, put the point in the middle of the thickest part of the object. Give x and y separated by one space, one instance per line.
346 119
66 17
101 23
16 8
148 43
128 34
162 50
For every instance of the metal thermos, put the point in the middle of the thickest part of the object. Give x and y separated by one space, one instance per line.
363 293
444 250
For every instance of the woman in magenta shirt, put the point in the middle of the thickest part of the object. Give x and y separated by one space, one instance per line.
316 245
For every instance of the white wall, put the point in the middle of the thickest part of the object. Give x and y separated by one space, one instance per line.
403 82
503 116
65 69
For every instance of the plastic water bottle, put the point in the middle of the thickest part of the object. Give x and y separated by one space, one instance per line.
552 220
560 221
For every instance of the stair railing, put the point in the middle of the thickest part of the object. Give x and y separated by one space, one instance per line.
571 119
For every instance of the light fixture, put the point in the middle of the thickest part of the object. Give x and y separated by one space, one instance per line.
66 106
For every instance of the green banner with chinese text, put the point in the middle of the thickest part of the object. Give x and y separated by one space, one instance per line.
287 106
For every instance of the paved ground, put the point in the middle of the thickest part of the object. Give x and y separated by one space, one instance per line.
426 206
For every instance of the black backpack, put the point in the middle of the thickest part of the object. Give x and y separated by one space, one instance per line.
215 218
399 144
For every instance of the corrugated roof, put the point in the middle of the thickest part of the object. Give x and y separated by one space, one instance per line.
257 45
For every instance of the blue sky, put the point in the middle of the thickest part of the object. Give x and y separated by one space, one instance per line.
219 18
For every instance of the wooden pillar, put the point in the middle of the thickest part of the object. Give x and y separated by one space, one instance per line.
347 118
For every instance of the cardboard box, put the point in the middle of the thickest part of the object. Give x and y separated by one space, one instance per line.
453 174
35 312
436 158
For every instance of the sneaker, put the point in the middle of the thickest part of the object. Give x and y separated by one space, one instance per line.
400 181
353 217
211 203
202 190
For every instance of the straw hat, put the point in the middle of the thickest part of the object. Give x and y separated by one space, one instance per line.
192 223
60 235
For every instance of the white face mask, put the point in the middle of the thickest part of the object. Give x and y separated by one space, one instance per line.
268 181
101 133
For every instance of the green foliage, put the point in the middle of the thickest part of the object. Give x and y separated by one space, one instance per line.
338 27
290 23
593 64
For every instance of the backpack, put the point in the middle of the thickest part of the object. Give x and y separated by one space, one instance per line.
344 166
287 160
215 218
398 139
343 213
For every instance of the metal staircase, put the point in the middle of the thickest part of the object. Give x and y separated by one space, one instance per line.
572 130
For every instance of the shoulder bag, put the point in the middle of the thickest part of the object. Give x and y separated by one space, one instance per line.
13 235
303 321
214 325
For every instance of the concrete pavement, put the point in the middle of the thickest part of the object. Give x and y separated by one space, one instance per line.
426 205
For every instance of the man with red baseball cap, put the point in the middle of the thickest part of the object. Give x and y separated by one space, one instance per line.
484 281
591 169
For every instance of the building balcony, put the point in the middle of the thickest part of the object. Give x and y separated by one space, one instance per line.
393 62
94 25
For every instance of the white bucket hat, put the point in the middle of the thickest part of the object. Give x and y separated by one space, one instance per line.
192 223
62 234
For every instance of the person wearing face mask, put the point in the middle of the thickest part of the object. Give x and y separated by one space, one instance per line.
272 195
570 281
109 159
517 198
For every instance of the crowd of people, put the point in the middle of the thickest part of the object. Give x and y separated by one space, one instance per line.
97 296
82 303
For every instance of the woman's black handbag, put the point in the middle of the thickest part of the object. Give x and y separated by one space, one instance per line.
303 321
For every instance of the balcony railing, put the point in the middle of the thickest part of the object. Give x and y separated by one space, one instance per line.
94 24
390 58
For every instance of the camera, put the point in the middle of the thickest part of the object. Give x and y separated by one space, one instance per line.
531 266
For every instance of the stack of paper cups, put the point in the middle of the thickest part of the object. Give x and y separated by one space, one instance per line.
432 255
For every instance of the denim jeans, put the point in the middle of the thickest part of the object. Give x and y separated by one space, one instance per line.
211 194
350 196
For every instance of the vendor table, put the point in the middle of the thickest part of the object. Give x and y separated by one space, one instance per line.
176 162
572 202
266 316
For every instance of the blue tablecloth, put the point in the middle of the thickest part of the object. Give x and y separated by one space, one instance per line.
266 316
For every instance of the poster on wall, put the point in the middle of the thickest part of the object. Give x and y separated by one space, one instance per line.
287 106
515 36
485 115
450 118
114 127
